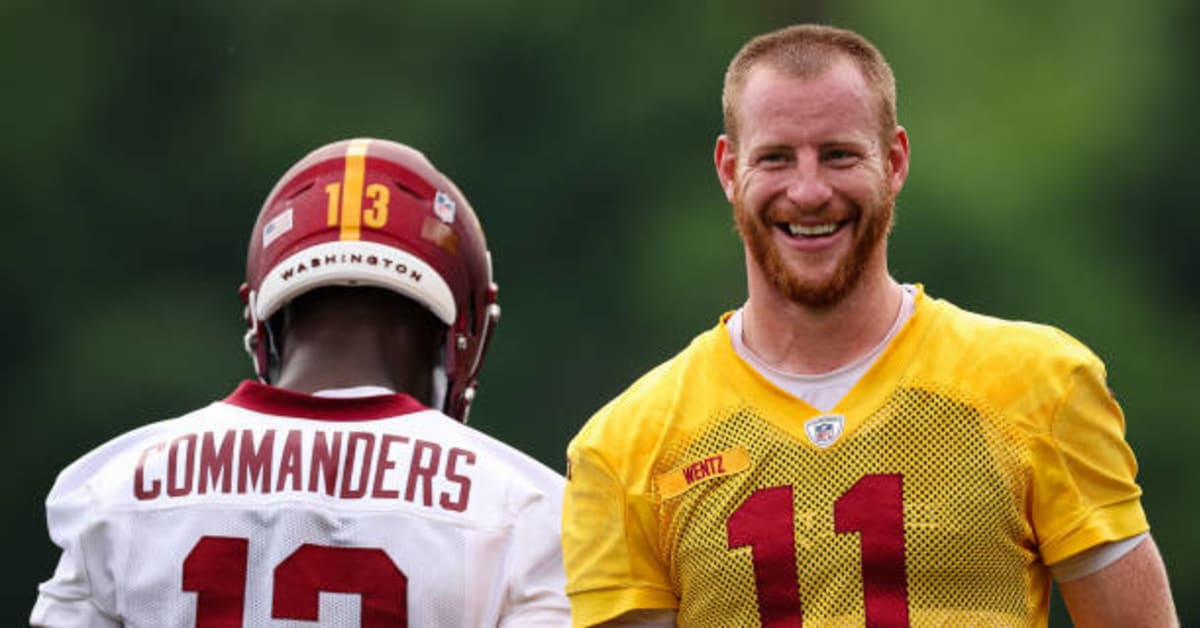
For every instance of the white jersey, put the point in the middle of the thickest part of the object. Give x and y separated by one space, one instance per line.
273 508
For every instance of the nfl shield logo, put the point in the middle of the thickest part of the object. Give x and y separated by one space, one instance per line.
824 430
443 207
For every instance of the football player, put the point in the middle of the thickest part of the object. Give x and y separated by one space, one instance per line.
343 487
845 449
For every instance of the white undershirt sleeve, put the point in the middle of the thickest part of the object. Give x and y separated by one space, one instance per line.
1094 559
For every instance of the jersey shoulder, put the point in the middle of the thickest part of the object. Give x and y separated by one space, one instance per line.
118 454
502 458
989 334
1018 368
972 343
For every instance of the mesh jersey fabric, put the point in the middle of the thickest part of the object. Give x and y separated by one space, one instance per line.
973 452
271 506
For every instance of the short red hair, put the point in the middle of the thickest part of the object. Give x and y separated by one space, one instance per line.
806 51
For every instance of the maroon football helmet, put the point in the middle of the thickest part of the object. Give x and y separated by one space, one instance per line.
370 212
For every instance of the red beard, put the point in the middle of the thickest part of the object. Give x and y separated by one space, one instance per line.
871 227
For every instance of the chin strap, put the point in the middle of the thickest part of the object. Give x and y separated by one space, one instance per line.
250 338
259 340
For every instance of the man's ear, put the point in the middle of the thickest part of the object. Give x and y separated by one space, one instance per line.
725 160
897 159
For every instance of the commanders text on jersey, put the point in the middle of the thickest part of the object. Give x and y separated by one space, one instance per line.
341 464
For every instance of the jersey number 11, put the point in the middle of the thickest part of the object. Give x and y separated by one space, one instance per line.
873 507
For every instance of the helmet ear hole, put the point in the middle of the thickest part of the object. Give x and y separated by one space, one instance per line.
373 213
301 190
406 189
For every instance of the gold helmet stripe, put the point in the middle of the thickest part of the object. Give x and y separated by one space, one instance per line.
352 189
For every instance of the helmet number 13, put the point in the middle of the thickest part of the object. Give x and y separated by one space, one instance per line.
347 211
873 507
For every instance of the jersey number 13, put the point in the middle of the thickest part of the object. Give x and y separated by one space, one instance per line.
216 570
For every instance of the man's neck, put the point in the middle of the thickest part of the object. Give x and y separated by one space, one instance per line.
349 356
800 339
313 366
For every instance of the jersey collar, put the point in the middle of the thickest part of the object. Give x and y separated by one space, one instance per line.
266 399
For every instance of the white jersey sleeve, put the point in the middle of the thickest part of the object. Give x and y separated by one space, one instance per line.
273 506
74 596
534 570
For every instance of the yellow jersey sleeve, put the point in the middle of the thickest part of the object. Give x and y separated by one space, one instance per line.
610 530
1084 492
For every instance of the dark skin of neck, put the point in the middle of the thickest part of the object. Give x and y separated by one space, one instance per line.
345 337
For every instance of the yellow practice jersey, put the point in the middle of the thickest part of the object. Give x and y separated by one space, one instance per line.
973 453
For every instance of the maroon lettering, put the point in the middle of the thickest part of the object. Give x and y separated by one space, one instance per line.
254 465
457 503
216 465
330 259
176 488
423 472
694 472
325 459
208 462
699 470
356 258
139 477
690 471
384 465
287 274
372 260
289 463
416 275
368 441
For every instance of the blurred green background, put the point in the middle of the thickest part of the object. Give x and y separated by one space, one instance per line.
1052 156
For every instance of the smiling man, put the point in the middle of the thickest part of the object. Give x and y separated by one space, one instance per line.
845 449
